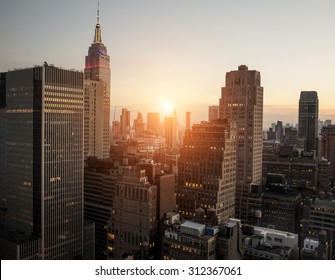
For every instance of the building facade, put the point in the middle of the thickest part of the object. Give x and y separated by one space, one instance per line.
242 102
328 147
97 98
319 215
308 119
100 177
213 112
206 170
187 240
153 123
42 186
133 226
261 243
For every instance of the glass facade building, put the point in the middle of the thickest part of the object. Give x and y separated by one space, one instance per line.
41 124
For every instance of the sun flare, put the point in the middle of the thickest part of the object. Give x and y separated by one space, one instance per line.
168 107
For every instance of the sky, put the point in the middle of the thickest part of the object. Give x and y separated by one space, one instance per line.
178 51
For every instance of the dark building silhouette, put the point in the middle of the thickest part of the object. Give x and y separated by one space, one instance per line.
100 178
303 170
308 119
279 131
328 147
42 154
319 215
275 205
291 136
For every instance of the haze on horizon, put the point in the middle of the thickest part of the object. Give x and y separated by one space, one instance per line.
179 51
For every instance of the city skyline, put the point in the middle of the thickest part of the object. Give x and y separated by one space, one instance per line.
171 52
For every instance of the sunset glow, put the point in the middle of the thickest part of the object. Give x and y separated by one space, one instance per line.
168 107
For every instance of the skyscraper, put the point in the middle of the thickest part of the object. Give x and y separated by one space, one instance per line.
139 125
242 102
171 132
328 147
308 119
41 116
207 170
134 216
97 98
188 121
125 124
153 123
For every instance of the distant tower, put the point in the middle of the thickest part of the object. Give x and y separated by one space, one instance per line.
188 121
279 131
125 124
153 123
213 112
97 98
242 102
308 119
139 125
171 131
328 146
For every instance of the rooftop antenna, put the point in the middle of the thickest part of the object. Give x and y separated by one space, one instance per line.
98 14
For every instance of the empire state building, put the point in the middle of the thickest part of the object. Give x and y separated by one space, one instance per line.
97 98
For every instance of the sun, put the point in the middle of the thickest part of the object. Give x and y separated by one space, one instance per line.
168 107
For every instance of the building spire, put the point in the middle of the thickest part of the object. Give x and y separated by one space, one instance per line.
97 36
98 14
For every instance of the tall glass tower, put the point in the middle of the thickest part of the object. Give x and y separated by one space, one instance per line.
42 155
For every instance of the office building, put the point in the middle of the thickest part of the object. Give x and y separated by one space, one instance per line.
125 124
139 125
308 120
97 98
328 147
261 243
291 136
153 123
229 241
279 131
303 171
100 177
171 132
319 215
188 240
213 112
207 170
242 102
42 143
316 247
133 226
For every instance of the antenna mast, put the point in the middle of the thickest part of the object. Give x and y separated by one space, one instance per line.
98 14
